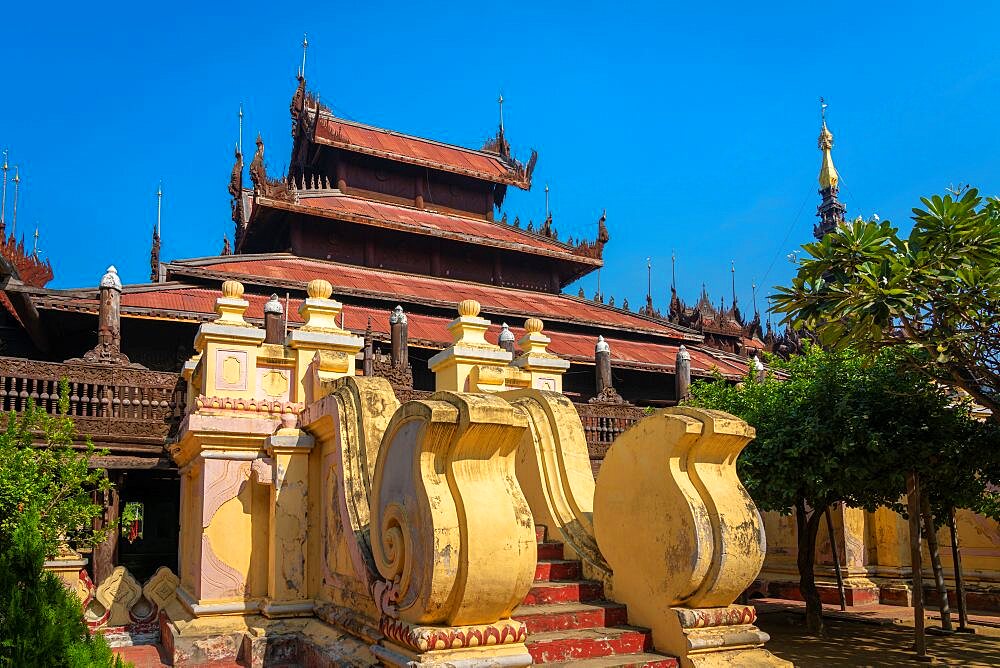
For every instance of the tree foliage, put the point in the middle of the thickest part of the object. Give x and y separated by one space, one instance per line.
934 296
41 623
839 426
41 469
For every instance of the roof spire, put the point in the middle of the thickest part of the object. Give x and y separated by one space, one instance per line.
34 245
753 288
673 270
649 280
500 102
17 190
546 200
305 47
733 270
239 144
159 202
830 211
3 205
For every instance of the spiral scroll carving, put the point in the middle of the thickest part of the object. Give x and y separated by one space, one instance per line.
452 535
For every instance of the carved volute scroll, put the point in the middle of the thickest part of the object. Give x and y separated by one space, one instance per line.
554 472
451 531
682 534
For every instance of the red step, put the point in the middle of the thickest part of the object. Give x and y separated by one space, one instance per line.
564 592
643 660
565 616
556 569
573 644
550 550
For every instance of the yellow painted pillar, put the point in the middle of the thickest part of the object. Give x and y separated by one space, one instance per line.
321 333
545 368
288 468
470 355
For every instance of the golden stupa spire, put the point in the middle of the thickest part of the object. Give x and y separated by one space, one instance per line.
828 177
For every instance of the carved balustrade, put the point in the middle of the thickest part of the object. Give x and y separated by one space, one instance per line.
602 424
107 403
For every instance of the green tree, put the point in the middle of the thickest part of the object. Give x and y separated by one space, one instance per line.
934 296
836 426
40 619
41 468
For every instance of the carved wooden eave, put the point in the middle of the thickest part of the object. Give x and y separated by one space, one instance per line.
20 301
287 200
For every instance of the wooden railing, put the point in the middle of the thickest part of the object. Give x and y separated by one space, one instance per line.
107 403
602 423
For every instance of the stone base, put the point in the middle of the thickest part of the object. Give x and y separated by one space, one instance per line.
505 656
901 593
720 637
256 641
856 594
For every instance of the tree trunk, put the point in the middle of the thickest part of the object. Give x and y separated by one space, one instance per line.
956 557
913 511
808 527
932 549
836 559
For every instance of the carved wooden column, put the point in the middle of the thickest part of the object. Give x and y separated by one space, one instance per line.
506 338
109 337
602 365
399 333
274 321
682 373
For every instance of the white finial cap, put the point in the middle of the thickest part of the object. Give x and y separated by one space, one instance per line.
602 345
397 316
111 280
682 353
273 305
505 333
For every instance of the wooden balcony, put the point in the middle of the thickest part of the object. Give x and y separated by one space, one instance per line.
127 410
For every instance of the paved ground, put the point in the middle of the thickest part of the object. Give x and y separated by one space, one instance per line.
873 636
879 636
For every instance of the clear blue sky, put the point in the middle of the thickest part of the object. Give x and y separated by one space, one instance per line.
694 124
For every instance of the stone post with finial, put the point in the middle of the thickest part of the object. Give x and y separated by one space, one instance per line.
470 352
320 337
546 368
682 374
398 334
274 321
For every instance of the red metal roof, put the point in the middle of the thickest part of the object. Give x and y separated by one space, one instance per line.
406 148
428 330
294 271
429 222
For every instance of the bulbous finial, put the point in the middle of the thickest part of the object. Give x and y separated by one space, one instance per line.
602 345
469 308
232 289
319 288
111 280
273 305
533 325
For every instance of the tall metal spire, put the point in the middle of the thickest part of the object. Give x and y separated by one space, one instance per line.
831 211
159 202
239 143
17 190
305 47
500 102
673 271
3 205
546 200
34 245
733 270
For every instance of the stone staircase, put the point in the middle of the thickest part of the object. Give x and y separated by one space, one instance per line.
570 623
